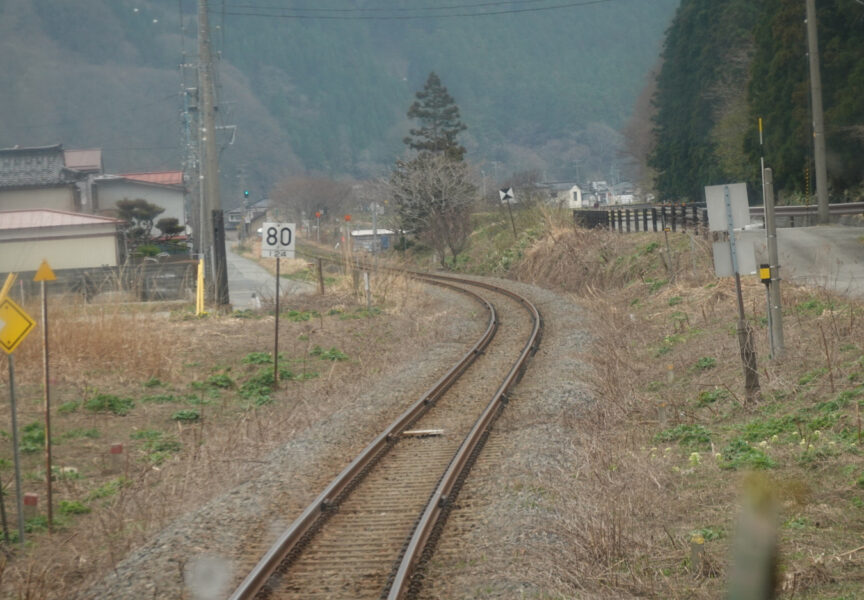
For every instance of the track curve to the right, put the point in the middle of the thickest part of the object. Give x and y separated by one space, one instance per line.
368 545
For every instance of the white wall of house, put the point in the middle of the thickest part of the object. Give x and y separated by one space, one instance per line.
64 248
57 198
170 198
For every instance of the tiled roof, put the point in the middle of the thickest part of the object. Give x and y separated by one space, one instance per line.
160 177
84 160
38 218
27 167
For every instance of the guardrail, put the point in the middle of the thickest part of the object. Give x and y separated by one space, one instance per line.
695 216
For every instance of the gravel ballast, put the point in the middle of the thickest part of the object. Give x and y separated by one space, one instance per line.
194 556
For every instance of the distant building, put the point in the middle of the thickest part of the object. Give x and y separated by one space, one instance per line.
66 240
38 177
364 239
162 188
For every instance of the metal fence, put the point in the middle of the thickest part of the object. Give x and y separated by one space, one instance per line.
695 216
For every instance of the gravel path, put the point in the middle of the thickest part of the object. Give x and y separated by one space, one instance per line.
193 558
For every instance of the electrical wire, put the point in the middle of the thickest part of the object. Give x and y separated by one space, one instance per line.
390 9
329 17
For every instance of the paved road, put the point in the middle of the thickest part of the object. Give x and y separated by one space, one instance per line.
246 277
830 256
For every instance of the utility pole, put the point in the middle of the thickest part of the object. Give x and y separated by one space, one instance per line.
775 313
210 159
818 114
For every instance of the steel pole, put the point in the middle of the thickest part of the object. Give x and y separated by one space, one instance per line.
16 453
776 313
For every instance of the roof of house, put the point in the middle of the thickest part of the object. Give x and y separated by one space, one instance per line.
371 232
84 160
42 217
160 177
34 166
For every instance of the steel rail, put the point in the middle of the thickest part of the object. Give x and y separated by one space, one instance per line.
315 514
442 497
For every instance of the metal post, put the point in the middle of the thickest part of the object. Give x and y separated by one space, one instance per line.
16 454
818 114
47 408
320 276
276 330
745 337
775 311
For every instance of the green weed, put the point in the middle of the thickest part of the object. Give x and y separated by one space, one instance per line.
331 354
110 403
186 416
739 454
690 436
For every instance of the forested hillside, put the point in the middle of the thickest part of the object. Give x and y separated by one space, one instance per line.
729 62
324 86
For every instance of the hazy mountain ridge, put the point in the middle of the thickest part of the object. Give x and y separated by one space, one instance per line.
539 90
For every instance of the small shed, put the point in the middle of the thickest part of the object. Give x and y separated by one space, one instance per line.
364 239
66 240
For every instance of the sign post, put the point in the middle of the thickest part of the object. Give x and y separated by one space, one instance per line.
277 241
42 275
727 209
506 195
15 324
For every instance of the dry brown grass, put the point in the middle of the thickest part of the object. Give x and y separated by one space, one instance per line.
117 350
637 500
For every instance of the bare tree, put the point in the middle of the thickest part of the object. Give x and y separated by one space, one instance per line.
301 196
433 197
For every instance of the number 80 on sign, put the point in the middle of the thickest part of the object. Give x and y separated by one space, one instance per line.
277 240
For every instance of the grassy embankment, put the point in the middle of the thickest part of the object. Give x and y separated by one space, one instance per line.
671 456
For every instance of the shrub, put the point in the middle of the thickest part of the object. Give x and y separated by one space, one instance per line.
159 399
706 397
331 354
73 507
690 436
258 358
186 416
152 382
220 380
705 363
32 438
739 454
110 403
68 407
763 429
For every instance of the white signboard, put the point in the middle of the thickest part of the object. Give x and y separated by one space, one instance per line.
277 240
506 195
715 198
718 221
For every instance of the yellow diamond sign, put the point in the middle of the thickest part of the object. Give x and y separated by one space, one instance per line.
15 324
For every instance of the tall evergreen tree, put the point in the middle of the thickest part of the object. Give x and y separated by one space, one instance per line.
439 121
691 93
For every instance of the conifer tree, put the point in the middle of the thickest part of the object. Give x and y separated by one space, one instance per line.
439 121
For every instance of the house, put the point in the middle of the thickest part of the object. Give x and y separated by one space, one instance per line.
65 239
246 214
364 239
38 177
162 188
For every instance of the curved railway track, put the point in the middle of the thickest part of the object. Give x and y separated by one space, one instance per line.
369 532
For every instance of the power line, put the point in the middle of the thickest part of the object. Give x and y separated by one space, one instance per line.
328 17
388 9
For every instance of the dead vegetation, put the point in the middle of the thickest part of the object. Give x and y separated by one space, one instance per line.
650 508
193 402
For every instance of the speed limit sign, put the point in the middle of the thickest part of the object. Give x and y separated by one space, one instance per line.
277 240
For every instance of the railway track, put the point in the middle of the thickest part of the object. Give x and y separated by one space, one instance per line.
369 532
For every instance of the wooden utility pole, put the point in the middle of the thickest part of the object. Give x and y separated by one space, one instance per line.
818 115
